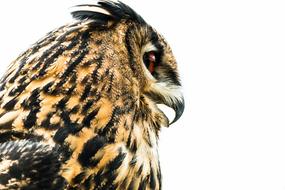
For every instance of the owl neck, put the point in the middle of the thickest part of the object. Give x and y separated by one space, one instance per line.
144 160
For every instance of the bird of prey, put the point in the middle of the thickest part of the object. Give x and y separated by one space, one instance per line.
79 109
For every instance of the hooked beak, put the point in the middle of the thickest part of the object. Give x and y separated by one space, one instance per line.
178 107
170 96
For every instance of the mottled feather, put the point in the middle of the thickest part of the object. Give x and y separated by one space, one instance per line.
83 97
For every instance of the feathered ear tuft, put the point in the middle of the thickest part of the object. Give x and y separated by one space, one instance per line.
94 12
106 10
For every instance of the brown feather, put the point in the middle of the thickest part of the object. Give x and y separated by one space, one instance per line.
85 88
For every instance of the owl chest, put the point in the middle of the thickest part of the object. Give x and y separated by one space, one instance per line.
121 165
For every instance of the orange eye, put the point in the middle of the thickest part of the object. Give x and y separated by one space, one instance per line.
150 61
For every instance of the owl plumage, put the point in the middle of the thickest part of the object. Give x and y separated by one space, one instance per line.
86 95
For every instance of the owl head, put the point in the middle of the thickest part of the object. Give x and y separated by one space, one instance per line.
141 58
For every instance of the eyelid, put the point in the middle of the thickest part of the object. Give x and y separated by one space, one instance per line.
148 48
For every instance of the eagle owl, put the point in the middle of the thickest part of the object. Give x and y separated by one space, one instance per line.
79 109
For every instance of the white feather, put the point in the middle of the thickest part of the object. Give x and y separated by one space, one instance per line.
89 8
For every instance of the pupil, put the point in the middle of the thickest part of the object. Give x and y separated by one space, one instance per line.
146 59
150 61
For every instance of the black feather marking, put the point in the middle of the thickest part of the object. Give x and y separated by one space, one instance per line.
34 106
134 146
72 127
159 176
128 42
99 62
22 79
98 179
91 147
110 129
129 141
87 106
143 183
108 90
87 183
62 103
84 80
152 182
87 120
109 173
61 134
131 185
46 122
46 89
68 128
98 42
140 170
86 91
75 109
71 89
10 105
21 65
133 161
20 88
116 163
79 178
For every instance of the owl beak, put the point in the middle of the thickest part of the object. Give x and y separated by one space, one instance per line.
179 109
172 98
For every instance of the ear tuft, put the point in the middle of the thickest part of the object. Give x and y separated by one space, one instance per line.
104 11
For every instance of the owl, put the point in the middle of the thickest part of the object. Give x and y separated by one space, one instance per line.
79 109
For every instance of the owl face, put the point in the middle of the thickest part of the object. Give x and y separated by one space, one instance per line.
160 69
144 54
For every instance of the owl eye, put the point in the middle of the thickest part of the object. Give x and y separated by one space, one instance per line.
150 60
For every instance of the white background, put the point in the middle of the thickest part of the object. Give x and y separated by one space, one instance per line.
231 55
